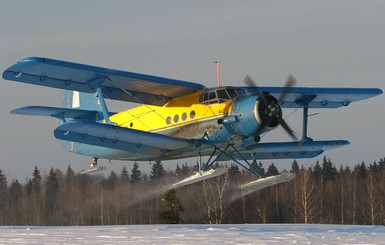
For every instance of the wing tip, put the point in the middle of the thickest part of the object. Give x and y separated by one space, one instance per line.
32 59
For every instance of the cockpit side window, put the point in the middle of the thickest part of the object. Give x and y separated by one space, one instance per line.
212 95
222 95
209 97
232 93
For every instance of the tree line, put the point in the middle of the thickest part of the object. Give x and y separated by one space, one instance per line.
322 193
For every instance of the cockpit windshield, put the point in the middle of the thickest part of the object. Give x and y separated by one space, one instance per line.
220 95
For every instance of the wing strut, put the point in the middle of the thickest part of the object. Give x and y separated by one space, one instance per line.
304 102
98 85
246 165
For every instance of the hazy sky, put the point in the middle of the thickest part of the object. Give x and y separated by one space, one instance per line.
322 43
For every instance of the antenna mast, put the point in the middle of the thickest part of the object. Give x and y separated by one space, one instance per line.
218 73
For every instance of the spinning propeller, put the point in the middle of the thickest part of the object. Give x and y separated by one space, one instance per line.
269 107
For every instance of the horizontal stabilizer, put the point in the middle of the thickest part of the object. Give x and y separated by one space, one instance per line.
267 182
58 112
201 176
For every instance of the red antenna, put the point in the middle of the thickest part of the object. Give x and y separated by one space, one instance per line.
218 73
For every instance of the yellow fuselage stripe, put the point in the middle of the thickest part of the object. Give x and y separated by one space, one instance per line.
177 113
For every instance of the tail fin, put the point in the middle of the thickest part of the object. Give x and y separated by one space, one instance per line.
78 100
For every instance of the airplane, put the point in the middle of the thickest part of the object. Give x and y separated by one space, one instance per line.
178 119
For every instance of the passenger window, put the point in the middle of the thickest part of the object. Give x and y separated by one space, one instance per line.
192 114
184 116
176 118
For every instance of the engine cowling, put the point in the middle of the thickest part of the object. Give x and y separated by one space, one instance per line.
252 112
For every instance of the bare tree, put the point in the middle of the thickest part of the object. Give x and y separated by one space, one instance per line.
306 196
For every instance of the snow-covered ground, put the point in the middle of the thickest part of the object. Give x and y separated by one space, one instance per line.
195 234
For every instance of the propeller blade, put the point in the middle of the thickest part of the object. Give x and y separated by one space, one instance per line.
287 128
290 82
251 83
263 126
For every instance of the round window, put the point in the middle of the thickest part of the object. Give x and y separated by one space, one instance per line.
176 118
168 120
184 116
192 114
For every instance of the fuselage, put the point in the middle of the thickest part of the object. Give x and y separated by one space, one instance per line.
218 116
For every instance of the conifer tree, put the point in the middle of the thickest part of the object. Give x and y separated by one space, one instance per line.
3 193
259 167
294 167
186 171
51 194
172 215
36 180
178 172
317 171
124 176
112 181
15 191
157 171
328 169
135 174
272 170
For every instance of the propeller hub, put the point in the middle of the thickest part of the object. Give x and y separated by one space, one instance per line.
273 110
269 111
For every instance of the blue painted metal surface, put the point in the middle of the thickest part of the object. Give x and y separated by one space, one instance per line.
119 138
323 97
120 85
244 109
142 88
58 112
289 150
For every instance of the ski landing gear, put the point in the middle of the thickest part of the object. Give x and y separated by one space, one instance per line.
205 172
94 167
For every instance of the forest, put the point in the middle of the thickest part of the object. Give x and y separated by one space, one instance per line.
323 193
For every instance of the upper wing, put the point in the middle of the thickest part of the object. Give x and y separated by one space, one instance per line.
115 84
319 97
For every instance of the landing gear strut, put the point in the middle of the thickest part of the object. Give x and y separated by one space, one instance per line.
94 167
94 163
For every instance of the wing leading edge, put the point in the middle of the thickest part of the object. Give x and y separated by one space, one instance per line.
287 150
319 97
58 112
115 137
115 84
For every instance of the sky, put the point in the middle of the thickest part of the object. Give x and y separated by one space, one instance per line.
322 43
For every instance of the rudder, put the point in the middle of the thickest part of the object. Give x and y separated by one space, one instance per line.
79 100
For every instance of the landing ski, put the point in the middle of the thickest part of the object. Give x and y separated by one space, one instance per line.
201 176
267 182
92 170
